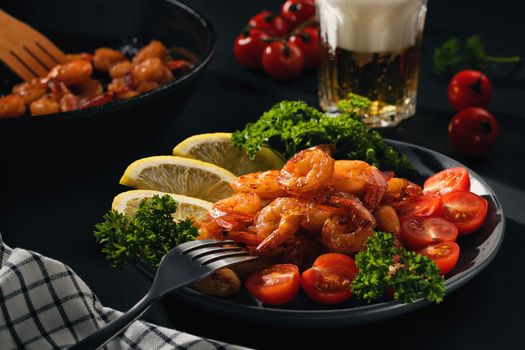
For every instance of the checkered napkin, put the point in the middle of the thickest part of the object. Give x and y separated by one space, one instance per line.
45 305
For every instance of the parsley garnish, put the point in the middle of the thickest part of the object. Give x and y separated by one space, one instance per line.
449 58
147 236
385 266
291 126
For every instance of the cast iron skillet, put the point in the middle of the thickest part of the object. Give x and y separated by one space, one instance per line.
477 251
84 25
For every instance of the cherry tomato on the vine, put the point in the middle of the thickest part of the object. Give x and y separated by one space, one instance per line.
307 42
448 180
417 232
270 23
473 131
464 209
297 11
444 254
282 61
330 278
249 47
275 285
469 88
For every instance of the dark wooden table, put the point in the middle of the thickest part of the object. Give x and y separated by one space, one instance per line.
49 204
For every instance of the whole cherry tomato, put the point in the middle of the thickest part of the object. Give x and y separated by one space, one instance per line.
297 11
307 42
249 47
444 254
448 180
473 131
282 61
273 25
417 232
329 280
464 209
469 88
275 285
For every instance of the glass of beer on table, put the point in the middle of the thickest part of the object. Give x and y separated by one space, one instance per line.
371 48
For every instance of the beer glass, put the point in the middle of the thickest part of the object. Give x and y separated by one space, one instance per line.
371 48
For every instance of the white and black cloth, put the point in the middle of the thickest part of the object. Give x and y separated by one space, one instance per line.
45 305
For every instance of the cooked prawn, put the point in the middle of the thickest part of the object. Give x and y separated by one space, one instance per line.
71 73
307 171
105 58
348 233
277 222
315 215
359 178
264 184
387 219
12 106
31 90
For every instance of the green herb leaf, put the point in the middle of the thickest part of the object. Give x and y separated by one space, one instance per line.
147 236
291 126
448 57
386 266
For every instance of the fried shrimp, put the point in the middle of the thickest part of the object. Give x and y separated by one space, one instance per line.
235 212
277 222
307 171
264 184
359 178
347 234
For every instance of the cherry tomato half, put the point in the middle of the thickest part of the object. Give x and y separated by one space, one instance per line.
271 24
448 180
307 42
282 61
464 209
297 11
417 232
426 204
444 254
473 131
249 47
275 285
469 88
330 278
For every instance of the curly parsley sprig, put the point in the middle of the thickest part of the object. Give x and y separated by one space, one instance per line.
145 237
291 126
385 266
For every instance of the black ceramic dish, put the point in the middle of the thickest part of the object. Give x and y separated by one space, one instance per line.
84 25
477 250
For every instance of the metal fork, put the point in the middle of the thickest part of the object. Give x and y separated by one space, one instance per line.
26 51
182 265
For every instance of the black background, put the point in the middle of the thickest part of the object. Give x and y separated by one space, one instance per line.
49 204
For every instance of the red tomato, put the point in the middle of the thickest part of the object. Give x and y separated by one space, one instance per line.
275 285
270 23
297 11
330 278
426 204
448 180
469 88
444 254
307 42
282 61
465 209
249 47
473 131
417 232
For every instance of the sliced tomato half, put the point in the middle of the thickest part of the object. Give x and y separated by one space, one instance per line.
329 279
464 209
417 232
426 204
444 254
275 285
448 180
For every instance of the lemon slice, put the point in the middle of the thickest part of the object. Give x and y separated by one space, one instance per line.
189 177
128 202
217 149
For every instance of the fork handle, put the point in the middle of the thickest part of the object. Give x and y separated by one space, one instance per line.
103 335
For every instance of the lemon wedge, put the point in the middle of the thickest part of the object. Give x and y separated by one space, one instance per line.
216 148
128 202
178 175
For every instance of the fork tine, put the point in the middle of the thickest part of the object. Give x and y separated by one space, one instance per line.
219 264
185 248
18 67
51 50
197 253
209 258
40 55
29 60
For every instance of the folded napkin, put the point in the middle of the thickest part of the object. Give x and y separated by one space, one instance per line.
45 305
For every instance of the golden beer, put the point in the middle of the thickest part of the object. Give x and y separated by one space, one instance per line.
371 48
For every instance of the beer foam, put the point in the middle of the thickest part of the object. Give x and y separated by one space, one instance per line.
371 25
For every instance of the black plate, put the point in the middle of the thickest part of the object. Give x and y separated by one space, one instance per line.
477 250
